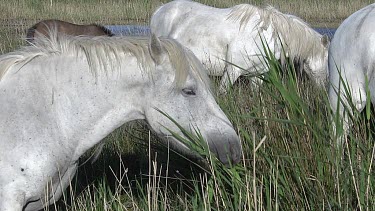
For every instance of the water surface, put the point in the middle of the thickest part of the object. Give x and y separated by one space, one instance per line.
129 30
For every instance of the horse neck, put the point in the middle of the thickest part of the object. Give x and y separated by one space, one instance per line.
95 104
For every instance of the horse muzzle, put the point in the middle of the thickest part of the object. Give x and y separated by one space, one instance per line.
226 147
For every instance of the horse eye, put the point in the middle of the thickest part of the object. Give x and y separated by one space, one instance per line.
188 91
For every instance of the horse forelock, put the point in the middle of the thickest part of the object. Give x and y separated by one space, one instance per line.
104 54
184 62
298 38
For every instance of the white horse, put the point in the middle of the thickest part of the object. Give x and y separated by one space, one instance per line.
351 63
221 37
61 97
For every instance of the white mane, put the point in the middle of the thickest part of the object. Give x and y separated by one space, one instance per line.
103 54
299 39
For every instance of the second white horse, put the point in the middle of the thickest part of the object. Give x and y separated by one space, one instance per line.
221 37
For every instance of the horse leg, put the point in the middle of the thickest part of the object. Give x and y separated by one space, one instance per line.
340 102
229 78
238 64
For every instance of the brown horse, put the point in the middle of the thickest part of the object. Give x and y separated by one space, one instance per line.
64 27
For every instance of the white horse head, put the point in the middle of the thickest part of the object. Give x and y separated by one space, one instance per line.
316 65
62 96
300 42
186 97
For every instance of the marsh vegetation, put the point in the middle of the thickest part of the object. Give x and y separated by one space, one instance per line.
291 160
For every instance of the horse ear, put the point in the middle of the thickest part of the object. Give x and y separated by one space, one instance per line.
156 49
325 40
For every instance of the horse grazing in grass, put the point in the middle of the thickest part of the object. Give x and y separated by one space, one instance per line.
223 37
42 28
61 96
352 64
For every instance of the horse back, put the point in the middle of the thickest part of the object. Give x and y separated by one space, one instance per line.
186 17
63 27
353 43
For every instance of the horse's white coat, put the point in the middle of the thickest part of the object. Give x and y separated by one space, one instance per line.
61 97
351 58
233 35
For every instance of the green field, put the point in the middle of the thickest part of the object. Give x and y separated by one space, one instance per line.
291 161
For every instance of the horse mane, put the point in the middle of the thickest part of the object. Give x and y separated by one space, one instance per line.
103 54
292 30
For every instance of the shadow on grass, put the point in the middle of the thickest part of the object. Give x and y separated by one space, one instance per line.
131 168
